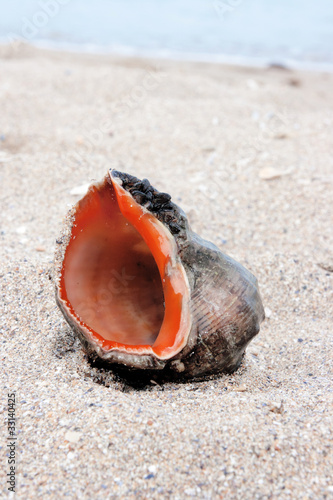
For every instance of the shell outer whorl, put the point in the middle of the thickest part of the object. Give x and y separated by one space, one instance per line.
226 307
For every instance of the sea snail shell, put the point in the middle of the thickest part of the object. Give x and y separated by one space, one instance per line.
140 289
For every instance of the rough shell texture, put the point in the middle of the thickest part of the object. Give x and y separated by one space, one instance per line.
225 304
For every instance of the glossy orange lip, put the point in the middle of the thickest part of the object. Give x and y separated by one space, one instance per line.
121 280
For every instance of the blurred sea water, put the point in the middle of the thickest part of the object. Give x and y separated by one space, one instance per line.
290 32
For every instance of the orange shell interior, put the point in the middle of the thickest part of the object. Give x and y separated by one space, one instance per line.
121 280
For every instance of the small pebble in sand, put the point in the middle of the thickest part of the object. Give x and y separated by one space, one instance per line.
268 312
270 173
73 436
241 388
277 408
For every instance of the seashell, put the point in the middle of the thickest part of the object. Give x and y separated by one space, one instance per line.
143 291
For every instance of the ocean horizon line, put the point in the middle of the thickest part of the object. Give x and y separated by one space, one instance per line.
282 62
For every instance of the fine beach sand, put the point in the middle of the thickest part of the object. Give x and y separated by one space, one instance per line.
248 154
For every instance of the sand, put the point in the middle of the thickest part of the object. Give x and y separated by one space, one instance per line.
248 153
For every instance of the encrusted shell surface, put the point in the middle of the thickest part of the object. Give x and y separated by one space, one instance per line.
224 299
